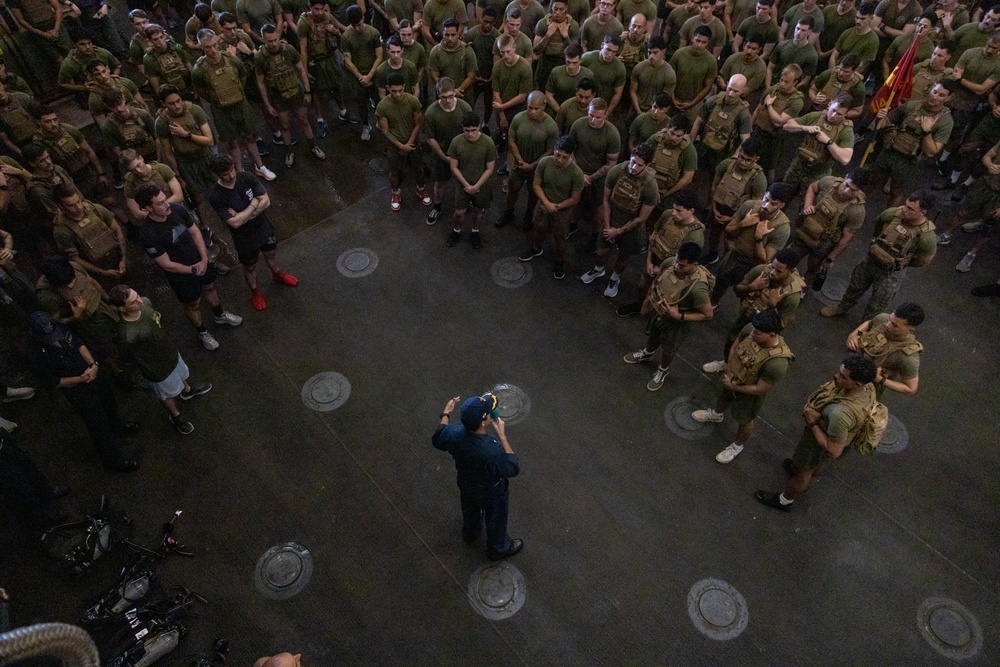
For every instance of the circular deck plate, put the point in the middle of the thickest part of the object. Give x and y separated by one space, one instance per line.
357 262
326 391
833 290
678 417
497 590
510 272
513 403
717 609
950 628
895 438
283 570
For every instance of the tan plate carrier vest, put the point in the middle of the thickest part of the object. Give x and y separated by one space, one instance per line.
746 358
891 248
66 151
907 137
136 136
174 69
924 80
770 297
320 43
626 197
668 238
629 54
17 119
812 152
834 87
224 80
667 162
744 243
781 102
732 188
860 406
720 123
96 238
877 347
669 289
183 145
280 72
39 14
823 226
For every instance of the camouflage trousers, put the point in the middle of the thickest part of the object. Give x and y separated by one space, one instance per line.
884 284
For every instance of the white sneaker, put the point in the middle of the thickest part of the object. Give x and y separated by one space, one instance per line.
659 377
714 367
208 340
265 173
18 394
966 263
973 226
366 133
7 425
228 318
611 291
318 152
729 453
592 275
705 416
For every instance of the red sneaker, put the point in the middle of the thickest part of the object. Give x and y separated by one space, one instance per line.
257 299
396 200
424 196
283 278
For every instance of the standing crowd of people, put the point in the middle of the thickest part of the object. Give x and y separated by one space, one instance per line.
648 131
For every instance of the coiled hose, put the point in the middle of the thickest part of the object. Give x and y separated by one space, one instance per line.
66 642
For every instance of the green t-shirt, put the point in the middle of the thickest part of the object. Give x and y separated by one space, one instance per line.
578 10
562 85
694 70
899 46
863 46
442 126
558 184
751 28
472 156
74 66
511 81
594 146
969 36
718 28
436 12
257 12
530 15
522 47
893 17
453 64
569 112
151 348
160 175
846 137
648 195
361 47
788 304
755 72
403 9
787 53
555 46
741 10
533 138
629 8
676 20
592 33
399 115
834 25
977 69
897 365
608 77
793 15
653 80
643 127
408 70
482 46
416 54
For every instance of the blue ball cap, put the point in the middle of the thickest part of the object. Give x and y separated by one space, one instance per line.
475 408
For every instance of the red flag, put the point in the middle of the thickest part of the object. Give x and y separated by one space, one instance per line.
898 86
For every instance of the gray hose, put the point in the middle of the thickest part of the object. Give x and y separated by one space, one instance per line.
66 642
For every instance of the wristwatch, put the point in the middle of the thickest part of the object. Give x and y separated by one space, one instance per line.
194 270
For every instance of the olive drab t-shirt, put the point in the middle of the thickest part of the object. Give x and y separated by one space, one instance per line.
693 70
558 184
472 156
361 46
443 126
399 115
533 138
154 354
511 81
594 146
652 81
608 76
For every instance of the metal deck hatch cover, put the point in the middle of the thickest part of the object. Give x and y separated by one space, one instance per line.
326 391
895 438
514 404
678 417
357 262
511 272
950 628
283 570
717 609
497 590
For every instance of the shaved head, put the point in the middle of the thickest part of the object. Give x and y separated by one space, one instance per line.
280 660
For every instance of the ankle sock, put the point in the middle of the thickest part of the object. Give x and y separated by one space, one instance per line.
784 501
